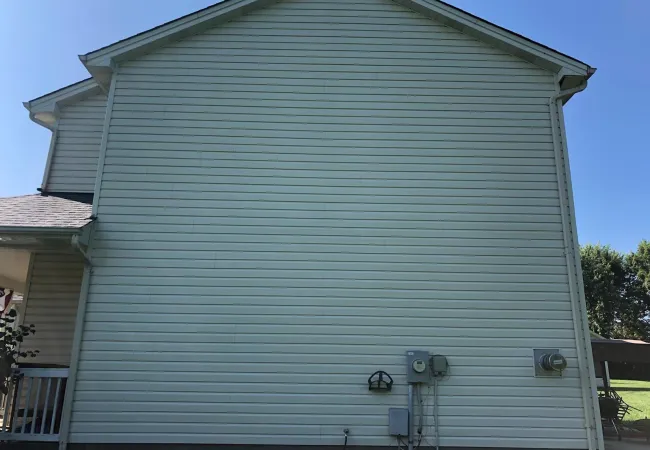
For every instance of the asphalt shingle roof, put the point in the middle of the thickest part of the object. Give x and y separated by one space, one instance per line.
43 211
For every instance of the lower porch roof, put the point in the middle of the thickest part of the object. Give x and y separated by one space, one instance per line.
36 223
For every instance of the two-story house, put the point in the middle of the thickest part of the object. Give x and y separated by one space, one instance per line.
251 214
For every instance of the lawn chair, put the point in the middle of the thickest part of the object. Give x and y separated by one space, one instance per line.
612 409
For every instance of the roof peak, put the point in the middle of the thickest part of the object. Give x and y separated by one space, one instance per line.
102 62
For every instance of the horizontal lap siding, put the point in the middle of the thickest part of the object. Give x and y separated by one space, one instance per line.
294 199
52 306
79 133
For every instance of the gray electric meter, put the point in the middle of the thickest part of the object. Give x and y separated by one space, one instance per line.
417 366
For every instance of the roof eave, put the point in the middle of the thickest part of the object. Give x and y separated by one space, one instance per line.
100 69
51 231
499 37
38 238
44 110
47 119
101 63
567 82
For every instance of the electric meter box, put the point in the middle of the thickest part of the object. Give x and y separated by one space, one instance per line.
398 421
439 365
417 366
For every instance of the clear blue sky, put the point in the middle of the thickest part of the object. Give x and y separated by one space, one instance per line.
607 125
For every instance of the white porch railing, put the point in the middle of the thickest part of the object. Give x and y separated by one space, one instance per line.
33 405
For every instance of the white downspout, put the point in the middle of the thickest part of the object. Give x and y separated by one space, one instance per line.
578 304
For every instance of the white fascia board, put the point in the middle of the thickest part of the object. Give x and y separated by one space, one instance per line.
498 37
45 110
100 63
19 230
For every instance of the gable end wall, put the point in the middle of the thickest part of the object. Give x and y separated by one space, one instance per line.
73 163
291 201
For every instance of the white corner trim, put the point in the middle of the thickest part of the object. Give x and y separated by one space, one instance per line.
66 414
104 142
50 157
571 249
590 380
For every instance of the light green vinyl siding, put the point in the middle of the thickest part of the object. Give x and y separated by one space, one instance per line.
51 305
294 199
79 132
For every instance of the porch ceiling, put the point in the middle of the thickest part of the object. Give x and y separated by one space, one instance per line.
37 223
14 264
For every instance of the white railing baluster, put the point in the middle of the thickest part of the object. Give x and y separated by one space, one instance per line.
47 401
36 402
17 408
16 403
26 409
8 406
56 407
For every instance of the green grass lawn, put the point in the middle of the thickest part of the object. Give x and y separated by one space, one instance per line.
637 399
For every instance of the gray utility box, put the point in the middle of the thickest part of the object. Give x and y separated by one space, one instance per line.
415 371
398 421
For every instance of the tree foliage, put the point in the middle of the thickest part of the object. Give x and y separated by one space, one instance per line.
617 290
11 336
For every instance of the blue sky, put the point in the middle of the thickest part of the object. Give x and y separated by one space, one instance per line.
607 124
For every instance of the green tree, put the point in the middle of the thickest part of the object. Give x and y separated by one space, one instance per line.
640 263
11 335
638 294
617 291
602 272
